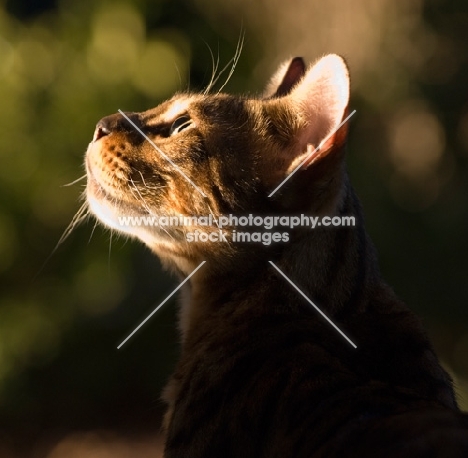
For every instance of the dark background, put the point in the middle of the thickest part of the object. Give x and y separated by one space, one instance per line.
65 390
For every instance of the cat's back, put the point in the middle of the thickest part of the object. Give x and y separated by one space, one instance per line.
282 384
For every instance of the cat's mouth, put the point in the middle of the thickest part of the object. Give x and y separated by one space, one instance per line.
103 200
99 185
114 204
94 187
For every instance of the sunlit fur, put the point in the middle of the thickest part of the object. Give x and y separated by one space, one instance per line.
261 373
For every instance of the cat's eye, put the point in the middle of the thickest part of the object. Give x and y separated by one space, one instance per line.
179 124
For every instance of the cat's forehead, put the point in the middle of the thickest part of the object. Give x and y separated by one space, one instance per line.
176 107
182 104
167 111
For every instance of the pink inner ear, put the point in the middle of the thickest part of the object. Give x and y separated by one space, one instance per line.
313 153
321 99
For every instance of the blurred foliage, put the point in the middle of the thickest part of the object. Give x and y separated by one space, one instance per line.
65 64
62 69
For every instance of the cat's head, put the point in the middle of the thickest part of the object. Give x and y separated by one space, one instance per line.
218 154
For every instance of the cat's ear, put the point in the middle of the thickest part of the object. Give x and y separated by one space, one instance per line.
285 78
320 101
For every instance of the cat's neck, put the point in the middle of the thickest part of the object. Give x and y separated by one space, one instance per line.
334 267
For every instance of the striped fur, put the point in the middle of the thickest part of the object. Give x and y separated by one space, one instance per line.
261 373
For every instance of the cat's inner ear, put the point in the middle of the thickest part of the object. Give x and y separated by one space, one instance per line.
285 78
320 102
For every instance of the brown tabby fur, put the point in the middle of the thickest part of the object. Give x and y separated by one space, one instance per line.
261 373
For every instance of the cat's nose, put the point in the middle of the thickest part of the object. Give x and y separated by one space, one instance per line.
101 131
105 127
114 123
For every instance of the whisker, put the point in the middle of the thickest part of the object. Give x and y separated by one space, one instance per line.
92 231
222 71
155 187
146 185
77 219
143 180
167 232
145 205
75 181
237 54
109 254
139 197
178 73
214 67
80 215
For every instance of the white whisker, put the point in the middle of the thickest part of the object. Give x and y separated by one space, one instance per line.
78 218
139 197
80 215
214 67
110 249
145 205
240 45
143 180
221 72
92 231
75 181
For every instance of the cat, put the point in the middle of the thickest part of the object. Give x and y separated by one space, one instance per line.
262 373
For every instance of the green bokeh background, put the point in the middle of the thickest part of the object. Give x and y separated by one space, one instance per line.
65 64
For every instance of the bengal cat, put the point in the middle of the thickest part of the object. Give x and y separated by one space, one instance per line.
262 373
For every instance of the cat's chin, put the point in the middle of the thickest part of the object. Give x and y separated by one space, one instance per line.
117 218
